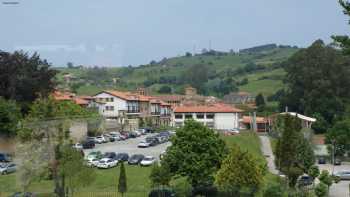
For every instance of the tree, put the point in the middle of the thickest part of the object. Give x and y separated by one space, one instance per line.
165 89
317 81
9 117
314 172
188 54
287 159
274 191
344 41
160 175
305 154
197 76
70 65
326 179
321 125
240 170
321 190
122 184
260 102
339 136
24 78
73 170
196 153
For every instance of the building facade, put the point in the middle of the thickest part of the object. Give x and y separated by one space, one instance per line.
216 116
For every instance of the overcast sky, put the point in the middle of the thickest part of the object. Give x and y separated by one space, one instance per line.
124 32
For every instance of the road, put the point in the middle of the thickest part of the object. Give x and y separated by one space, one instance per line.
267 151
340 189
130 146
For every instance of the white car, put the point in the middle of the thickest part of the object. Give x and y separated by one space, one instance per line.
100 139
138 133
233 131
7 168
147 161
143 144
142 131
77 146
107 163
115 136
92 162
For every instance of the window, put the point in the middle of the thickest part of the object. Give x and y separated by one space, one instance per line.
178 116
210 124
188 116
210 116
111 99
200 116
109 108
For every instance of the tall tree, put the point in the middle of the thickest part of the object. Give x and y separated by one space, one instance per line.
24 78
344 41
122 184
260 101
196 153
287 158
197 76
9 117
317 82
240 170
160 175
339 136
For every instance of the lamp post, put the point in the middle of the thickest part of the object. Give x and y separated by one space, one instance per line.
333 155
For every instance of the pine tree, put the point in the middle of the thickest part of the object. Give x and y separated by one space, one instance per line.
122 185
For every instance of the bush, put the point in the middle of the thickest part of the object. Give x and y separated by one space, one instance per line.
321 190
273 191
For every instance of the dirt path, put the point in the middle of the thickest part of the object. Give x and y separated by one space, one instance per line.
267 152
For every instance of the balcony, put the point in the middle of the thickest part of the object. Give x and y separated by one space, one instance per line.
133 111
155 113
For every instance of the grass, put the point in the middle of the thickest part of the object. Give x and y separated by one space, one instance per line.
137 177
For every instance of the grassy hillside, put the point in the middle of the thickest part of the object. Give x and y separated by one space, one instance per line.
266 78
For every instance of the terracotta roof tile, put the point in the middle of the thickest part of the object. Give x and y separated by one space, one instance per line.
216 108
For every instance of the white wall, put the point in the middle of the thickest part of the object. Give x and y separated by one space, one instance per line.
224 121
119 104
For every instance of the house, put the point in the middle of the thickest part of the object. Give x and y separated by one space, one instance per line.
216 116
128 108
262 124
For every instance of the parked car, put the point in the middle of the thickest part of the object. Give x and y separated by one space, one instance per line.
110 155
92 162
135 159
124 136
100 139
152 141
337 162
122 157
94 154
163 192
161 139
107 163
25 194
5 157
322 160
305 180
88 144
147 161
143 144
233 131
7 168
109 138
142 131
78 146
115 136
138 133
343 175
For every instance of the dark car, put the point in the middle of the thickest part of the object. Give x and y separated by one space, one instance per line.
321 160
152 141
4 157
122 157
162 192
135 159
88 144
305 180
110 155
133 135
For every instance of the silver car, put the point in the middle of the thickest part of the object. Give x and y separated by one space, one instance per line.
343 175
7 168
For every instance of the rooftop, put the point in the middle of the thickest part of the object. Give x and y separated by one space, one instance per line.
215 108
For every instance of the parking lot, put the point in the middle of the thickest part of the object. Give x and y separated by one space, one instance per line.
129 146
340 189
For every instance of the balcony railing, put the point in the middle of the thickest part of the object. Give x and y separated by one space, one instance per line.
133 111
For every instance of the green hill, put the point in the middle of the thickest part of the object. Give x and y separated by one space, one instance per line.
254 70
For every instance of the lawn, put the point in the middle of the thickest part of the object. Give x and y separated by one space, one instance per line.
137 177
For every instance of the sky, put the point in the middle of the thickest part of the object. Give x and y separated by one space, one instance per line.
134 32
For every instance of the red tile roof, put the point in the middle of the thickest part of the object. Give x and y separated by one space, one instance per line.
247 120
216 108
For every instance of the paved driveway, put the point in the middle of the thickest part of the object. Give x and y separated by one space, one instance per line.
130 146
340 189
267 151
